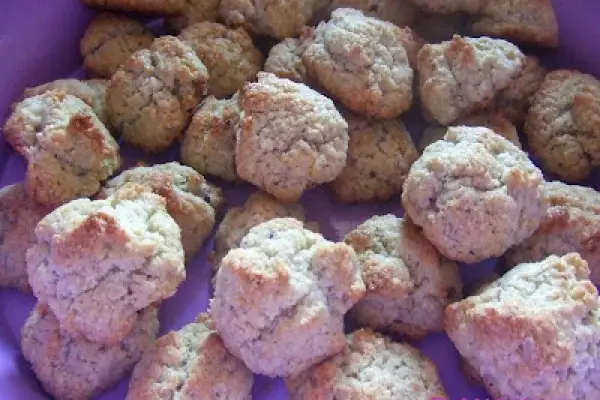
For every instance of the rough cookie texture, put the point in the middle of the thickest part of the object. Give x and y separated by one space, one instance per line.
151 97
281 297
19 214
229 55
572 224
109 41
475 194
380 154
97 263
290 138
451 6
191 201
168 7
534 333
460 76
563 124
409 284
69 366
363 63
399 12
194 11
190 364
69 152
371 367
285 59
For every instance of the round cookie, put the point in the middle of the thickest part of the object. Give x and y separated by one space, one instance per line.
563 124
475 194
280 298
229 54
69 152
151 97
533 333
409 284
380 154
167 7
97 263
70 367
188 364
109 41
194 11
290 137
399 12
285 59
191 201
371 367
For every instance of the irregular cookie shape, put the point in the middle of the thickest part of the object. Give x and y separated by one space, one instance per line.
109 41
194 11
450 6
285 58
69 152
460 76
188 364
191 201
399 12
534 332
563 124
281 297
168 7
97 263
572 224
475 194
409 284
290 137
229 54
151 97
371 367
69 366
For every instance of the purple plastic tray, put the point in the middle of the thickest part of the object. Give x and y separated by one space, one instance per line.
39 42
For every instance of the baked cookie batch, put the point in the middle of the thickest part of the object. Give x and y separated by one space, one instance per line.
288 95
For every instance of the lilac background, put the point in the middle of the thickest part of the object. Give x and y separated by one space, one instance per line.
39 42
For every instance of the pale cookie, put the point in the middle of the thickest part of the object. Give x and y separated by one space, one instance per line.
167 7
69 366
380 154
229 54
371 366
450 6
290 138
97 263
285 58
191 201
534 333
475 194
563 124
109 41
281 297
435 28
399 12
572 224
409 284
194 11
151 97
69 151
190 364
461 76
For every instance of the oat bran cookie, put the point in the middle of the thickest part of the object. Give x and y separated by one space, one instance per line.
97 263
399 12
69 152
371 367
290 138
194 11
167 7
69 366
281 297
152 95
285 58
534 332
474 194
190 364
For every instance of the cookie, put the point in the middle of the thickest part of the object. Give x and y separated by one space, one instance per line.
371 367
69 151
571 224
380 154
229 54
281 297
563 124
534 332
463 75
475 194
168 7
194 11
290 137
191 201
285 59
409 284
399 12
188 364
97 263
69 366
